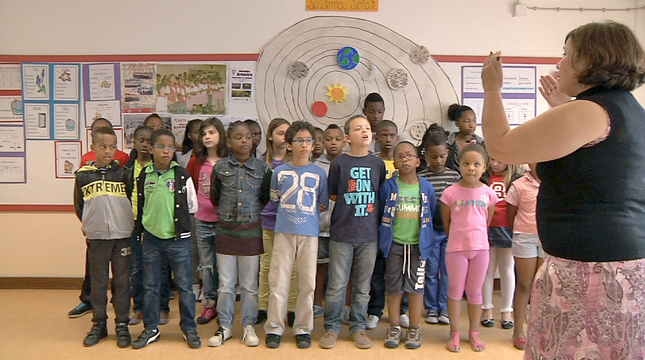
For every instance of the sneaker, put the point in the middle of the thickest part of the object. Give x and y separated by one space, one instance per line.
209 313
346 312
273 341
413 339
222 334
98 332
372 322
443 318
361 340
319 311
80 310
136 317
328 341
262 317
148 336
123 338
291 318
303 341
405 321
163 319
249 338
393 337
192 338
432 317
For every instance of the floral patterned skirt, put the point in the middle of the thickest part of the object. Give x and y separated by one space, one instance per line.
587 310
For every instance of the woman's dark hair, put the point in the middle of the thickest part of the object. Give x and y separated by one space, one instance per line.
610 54
200 151
187 144
455 111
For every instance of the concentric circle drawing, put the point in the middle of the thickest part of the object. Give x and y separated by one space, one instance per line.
316 42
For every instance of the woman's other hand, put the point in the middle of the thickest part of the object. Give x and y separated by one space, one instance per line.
550 90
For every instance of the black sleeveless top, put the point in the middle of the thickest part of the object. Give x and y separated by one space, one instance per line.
591 204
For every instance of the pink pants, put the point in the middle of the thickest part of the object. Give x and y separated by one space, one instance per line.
466 271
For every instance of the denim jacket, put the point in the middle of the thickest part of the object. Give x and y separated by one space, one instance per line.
240 191
388 199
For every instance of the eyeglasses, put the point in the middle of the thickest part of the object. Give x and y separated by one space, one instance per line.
303 141
406 156
164 148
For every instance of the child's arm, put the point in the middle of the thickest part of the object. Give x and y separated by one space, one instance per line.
491 212
265 187
323 193
275 190
191 194
511 211
216 188
445 216
512 200
332 180
78 201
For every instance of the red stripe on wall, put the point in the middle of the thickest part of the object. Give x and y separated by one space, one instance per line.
40 208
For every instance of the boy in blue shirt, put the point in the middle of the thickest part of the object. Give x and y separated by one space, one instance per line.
166 198
299 192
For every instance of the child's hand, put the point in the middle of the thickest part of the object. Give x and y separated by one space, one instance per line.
322 207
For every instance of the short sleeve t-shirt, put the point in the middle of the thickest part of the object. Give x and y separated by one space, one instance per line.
389 168
500 218
523 194
356 181
468 216
205 210
406 226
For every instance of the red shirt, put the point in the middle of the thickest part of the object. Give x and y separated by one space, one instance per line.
120 157
500 218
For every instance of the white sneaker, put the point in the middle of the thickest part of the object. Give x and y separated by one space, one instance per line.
372 322
405 321
249 338
443 317
222 334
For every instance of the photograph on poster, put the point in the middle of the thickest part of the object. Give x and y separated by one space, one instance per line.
132 121
66 82
12 169
66 121
68 158
37 121
10 109
12 139
242 79
10 77
110 110
35 81
191 88
138 88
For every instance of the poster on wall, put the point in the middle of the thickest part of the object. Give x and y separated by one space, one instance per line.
66 82
132 121
12 169
35 82
10 77
242 85
192 88
12 139
10 109
101 81
37 121
68 158
110 110
139 93
66 124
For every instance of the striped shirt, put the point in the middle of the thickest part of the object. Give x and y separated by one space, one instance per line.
440 181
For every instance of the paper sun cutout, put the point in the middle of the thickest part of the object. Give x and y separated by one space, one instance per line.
65 76
337 93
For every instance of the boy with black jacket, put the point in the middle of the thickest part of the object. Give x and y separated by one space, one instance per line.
101 199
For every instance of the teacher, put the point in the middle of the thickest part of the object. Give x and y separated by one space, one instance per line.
588 298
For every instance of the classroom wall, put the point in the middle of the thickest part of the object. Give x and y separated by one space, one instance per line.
43 244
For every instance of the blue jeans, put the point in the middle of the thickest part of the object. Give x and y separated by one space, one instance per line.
345 259
205 235
232 267
136 278
178 254
436 288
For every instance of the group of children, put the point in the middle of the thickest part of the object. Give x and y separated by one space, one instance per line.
302 223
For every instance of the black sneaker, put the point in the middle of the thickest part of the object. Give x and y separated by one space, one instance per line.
303 341
262 317
192 338
147 336
273 341
80 310
98 332
123 338
291 318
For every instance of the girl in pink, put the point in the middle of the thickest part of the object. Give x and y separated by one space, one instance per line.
468 207
209 148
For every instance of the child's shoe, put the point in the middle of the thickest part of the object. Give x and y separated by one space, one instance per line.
319 311
148 336
80 310
221 335
328 341
432 317
372 322
136 317
393 337
98 332
273 341
413 339
192 338
303 341
405 321
123 338
361 340
209 313
250 338
262 317
443 317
